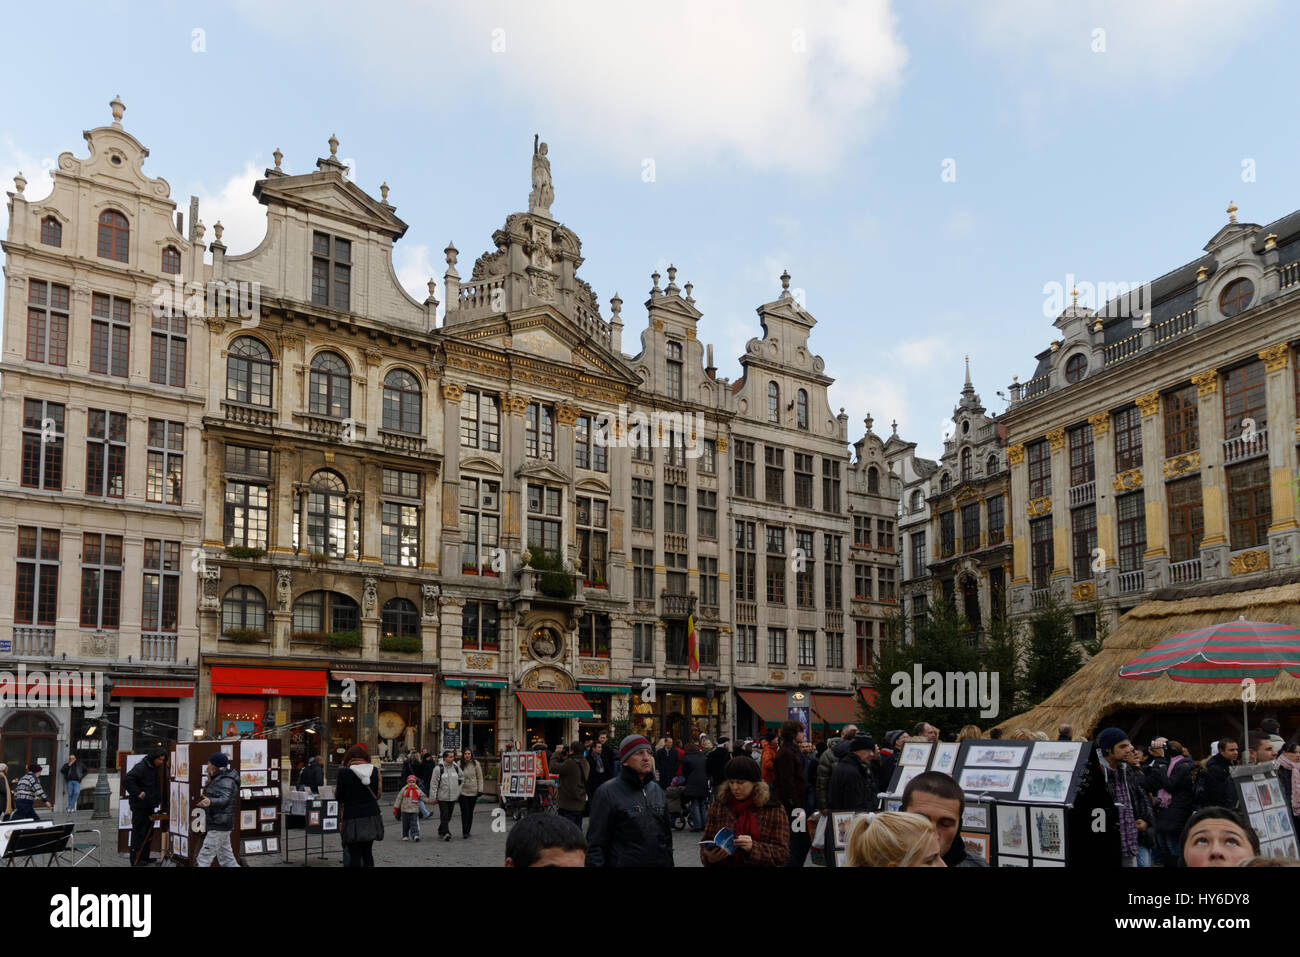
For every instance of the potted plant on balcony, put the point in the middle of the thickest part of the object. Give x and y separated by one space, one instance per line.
404 643
244 551
555 578
318 558
486 571
309 637
343 640
597 582
244 636
468 568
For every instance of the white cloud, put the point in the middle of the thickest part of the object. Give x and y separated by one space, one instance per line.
242 217
414 270
771 84
15 160
1116 43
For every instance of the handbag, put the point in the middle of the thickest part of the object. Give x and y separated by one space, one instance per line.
357 830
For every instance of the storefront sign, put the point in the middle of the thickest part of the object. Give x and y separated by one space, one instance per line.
450 736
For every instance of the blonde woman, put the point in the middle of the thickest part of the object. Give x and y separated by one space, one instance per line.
893 839
969 733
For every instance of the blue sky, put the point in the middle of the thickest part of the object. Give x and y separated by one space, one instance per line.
733 139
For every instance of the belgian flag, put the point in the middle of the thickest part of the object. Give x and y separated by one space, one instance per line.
692 645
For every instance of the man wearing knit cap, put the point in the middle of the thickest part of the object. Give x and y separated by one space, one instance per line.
629 814
1114 746
219 801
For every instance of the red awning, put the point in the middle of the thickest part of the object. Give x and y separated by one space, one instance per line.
768 705
268 681
555 704
153 688
869 695
835 710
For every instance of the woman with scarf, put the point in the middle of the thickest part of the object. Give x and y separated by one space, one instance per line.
1288 763
762 832
358 793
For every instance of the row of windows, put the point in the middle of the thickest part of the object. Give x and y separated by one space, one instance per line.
676 644
800 405
113 240
774 477
967 475
805 649
37 581
969 516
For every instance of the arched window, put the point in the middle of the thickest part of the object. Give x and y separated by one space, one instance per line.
51 231
967 465
114 235
243 609
801 409
873 480
945 482
248 372
992 466
327 515
401 618
331 386
773 402
171 260
401 401
1075 367
324 612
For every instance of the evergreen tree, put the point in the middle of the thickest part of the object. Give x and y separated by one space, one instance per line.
1003 655
1053 653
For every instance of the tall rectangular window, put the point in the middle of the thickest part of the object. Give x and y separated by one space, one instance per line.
544 511
947 533
593 635
643 573
835 650
1244 397
399 539
743 470
998 594
675 576
480 523
1250 506
167 349
105 453
803 480
643 636
675 650
708 463
331 271
675 509
42 444
643 504
1128 439
588 451
706 512
674 369
862 645
708 582
862 582
834 584
110 334
997 519
747 644
162 586
1082 469
1040 551
884 534
919 558
166 462
1084 533
480 422
1131 518
47 323
247 511
480 626
807 649
101 581
1186 519
746 562
861 531
36 589
776 646
1039 458
774 474
675 447
591 520
805 570
776 559
887 583
539 431
1182 425
831 486
970 527
708 646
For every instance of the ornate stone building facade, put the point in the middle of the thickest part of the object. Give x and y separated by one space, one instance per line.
101 494
1155 444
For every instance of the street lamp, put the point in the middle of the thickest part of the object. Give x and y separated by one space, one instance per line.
103 794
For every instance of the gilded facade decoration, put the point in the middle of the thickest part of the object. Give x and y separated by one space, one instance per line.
1039 506
1244 562
1127 481
452 392
1100 423
1275 357
1057 439
481 662
1182 464
1148 404
1084 591
1015 454
566 414
594 668
1207 383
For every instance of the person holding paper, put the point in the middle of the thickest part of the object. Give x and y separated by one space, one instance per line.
745 828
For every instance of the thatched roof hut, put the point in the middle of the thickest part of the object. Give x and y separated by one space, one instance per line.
1095 696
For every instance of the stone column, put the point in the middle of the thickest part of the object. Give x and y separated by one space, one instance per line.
1214 503
281 500
1103 458
1284 532
512 446
451 395
1020 585
565 418
290 384
350 524
1155 560
1060 510
212 455
372 530
300 506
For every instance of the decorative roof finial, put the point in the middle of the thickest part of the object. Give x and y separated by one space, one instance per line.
869 420
334 146
383 191
451 252
433 287
20 183
785 284
656 290
218 229
968 371
688 287
1074 296
894 425
277 156
543 192
118 108
1232 211
1201 274
1270 241
616 308
199 230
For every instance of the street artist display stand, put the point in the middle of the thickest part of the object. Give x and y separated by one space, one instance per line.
1268 808
127 761
256 813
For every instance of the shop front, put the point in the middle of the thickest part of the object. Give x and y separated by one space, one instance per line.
601 695
759 711
683 714
247 697
393 705
548 716
480 699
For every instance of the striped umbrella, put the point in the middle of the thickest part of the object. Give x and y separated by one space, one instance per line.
1234 651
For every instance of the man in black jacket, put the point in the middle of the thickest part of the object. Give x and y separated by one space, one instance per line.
629 815
313 775
141 784
219 800
716 763
791 788
1217 789
72 773
853 785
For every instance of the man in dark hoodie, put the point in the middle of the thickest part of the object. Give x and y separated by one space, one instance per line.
837 748
219 800
937 796
141 784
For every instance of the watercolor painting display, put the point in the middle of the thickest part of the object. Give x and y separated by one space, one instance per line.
977 845
1045 786
945 756
1047 831
252 755
1055 755
842 821
995 756
975 817
980 780
915 753
905 775
1012 830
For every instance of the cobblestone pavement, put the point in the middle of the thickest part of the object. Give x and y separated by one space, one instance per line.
484 848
